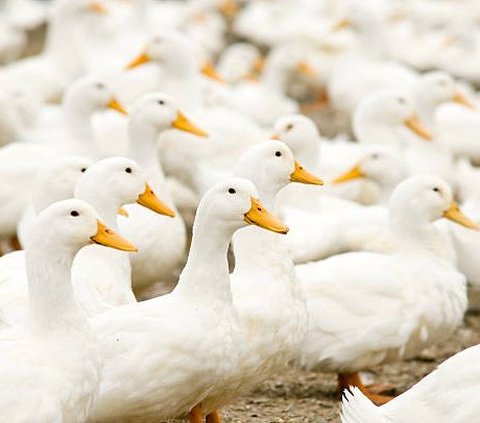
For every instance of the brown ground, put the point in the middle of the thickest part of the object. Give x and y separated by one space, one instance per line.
297 396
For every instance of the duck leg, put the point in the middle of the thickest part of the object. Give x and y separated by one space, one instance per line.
345 380
214 417
195 414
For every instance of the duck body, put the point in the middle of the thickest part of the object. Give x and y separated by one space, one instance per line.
431 399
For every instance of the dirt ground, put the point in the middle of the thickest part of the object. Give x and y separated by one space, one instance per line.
297 396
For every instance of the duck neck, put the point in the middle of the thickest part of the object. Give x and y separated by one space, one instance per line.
206 274
106 208
374 132
309 153
275 79
143 148
416 234
51 300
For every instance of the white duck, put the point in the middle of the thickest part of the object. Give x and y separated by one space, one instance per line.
184 329
102 277
273 334
57 347
433 399
238 62
161 255
368 308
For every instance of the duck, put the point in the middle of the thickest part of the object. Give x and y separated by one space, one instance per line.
101 278
58 350
427 400
159 258
346 335
273 335
183 328
240 61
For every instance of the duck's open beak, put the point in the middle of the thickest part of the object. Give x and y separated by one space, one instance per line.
454 214
97 7
413 123
115 105
354 173
122 212
105 236
305 68
149 200
210 72
464 101
182 123
139 60
304 176
258 215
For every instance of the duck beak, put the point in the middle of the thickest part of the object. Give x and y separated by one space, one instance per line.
209 71
149 200
115 105
182 123
122 212
464 101
305 68
454 214
97 7
228 8
304 176
342 24
105 236
258 215
139 60
275 137
414 124
354 173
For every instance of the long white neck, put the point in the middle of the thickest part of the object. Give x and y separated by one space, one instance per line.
308 153
51 300
374 132
143 148
205 274
418 235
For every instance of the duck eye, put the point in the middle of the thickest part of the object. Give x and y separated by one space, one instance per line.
231 191
74 213
83 169
128 170
100 85
289 127
161 102
401 100
278 153
436 189
375 156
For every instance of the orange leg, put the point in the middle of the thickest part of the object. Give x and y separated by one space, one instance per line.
345 380
214 417
195 415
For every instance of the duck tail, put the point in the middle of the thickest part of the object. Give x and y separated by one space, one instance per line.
357 408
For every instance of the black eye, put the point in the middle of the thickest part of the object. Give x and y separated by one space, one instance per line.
161 102
100 85
375 156
401 100
83 169
231 191
74 213
289 127
278 153
128 170
436 189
